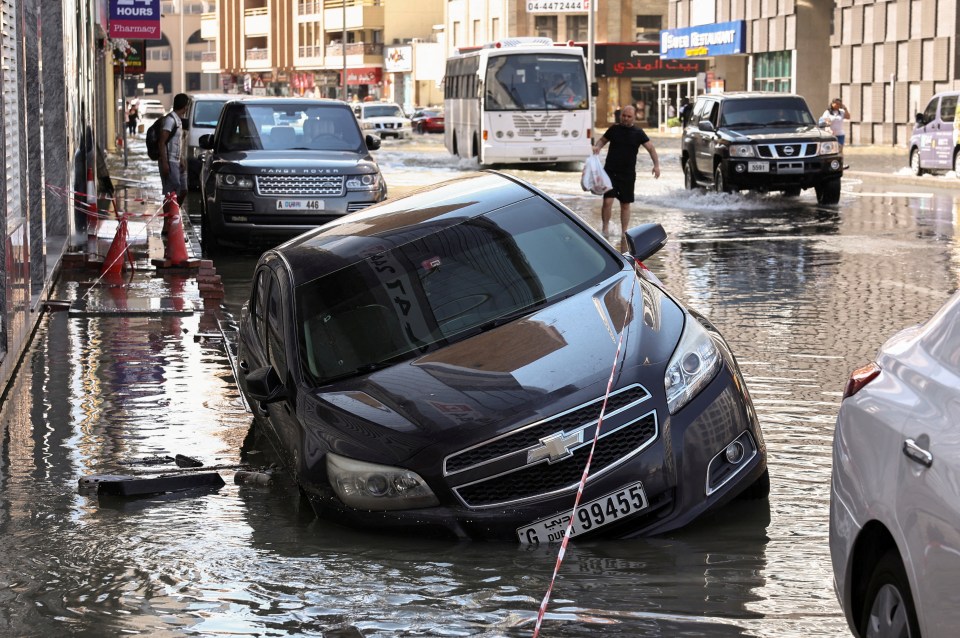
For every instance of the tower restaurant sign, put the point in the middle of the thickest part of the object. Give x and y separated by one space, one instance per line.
707 40
135 19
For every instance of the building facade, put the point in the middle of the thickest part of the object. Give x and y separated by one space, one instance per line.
321 47
886 58
53 116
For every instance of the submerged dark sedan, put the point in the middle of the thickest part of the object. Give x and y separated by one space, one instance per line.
440 363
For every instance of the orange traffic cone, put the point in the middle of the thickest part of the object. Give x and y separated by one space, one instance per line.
176 242
168 200
119 251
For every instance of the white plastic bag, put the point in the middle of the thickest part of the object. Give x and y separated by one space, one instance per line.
594 178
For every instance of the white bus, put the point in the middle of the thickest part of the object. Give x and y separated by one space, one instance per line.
515 101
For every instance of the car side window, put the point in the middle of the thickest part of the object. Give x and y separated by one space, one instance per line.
948 108
276 352
712 112
698 112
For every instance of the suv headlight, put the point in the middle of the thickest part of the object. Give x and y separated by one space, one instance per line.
368 486
742 150
693 364
367 126
829 148
369 182
231 180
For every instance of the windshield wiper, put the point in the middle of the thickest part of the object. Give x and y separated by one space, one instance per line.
502 320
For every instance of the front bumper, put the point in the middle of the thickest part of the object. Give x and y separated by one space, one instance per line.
672 469
782 173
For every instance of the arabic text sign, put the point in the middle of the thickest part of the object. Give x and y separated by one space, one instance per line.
707 40
558 6
135 19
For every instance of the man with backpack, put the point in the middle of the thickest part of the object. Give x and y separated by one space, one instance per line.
171 160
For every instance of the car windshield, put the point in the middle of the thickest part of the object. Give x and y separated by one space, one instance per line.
786 111
206 113
382 110
535 81
283 127
437 289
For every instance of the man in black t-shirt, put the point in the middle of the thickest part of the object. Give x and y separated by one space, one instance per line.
621 165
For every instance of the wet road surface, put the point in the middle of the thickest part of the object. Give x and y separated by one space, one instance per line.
803 294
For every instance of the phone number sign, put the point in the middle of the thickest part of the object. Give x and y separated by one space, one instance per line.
558 6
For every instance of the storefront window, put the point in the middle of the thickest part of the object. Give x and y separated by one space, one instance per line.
773 71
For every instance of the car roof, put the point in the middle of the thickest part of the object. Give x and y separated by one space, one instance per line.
743 95
290 101
400 220
216 96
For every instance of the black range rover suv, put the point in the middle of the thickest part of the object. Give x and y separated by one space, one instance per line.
760 141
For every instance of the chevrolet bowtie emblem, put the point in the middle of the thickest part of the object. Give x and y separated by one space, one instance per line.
555 447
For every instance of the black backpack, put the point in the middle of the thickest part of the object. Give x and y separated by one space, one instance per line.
153 136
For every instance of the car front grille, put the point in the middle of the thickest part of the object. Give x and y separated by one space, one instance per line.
787 151
310 185
512 468
529 125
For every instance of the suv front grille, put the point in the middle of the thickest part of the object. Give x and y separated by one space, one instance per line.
787 151
311 185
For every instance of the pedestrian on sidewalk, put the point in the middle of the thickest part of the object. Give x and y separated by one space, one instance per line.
833 119
621 165
173 162
133 117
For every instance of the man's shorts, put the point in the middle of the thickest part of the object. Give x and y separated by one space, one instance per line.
623 184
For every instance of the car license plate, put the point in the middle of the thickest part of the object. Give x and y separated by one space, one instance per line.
758 167
299 204
539 150
597 513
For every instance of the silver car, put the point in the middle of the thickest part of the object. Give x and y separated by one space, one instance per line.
895 496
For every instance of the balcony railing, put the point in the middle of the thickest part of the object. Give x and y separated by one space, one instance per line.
355 48
258 54
258 11
337 4
310 8
310 51
209 56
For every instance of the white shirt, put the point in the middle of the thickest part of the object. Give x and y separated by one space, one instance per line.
835 120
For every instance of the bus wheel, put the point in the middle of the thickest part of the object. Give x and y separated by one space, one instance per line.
454 144
476 148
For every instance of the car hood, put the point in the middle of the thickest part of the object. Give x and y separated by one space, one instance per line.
546 363
279 162
779 134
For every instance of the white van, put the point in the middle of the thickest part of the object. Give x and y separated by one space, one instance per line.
201 118
935 143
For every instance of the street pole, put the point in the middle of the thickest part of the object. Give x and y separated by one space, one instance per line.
123 106
343 51
591 56
893 106
183 53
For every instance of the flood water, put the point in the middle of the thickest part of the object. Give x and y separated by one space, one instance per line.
803 294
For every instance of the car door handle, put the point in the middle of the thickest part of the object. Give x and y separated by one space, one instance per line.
243 365
916 453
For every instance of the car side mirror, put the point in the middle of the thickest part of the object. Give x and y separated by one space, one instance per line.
373 142
265 386
706 126
205 141
645 240
919 119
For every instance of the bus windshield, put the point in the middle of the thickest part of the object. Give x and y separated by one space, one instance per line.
535 81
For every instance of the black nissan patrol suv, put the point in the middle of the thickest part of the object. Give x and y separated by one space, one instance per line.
760 141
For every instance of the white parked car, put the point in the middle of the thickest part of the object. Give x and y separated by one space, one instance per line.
201 118
151 109
895 495
383 118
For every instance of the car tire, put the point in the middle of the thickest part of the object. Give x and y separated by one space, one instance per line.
759 489
208 243
720 180
828 192
791 192
915 162
888 608
689 181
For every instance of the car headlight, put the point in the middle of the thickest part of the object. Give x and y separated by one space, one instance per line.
231 180
829 148
693 364
741 150
367 126
369 182
368 486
